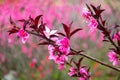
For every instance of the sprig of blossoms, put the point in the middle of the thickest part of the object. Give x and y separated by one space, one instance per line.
92 22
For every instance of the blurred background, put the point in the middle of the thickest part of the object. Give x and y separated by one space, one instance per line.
30 62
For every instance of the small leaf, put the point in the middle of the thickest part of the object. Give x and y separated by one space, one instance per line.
12 31
11 21
61 34
88 7
66 29
21 20
37 20
25 23
80 51
71 60
44 43
94 8
76 30
80 60
88 69
103 22
51 36
105 40
31 19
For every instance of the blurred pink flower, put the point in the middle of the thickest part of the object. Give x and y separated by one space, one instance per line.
33 62
64 45
23 35
81 78
61 66
113 58
93 24
72 71
60 60
84 73
2 58
51 52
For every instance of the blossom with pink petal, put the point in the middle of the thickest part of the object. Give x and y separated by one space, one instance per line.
51 52
113 58
23 35
61 66
64 45
72 71
117 36
81 78
93 24
84 73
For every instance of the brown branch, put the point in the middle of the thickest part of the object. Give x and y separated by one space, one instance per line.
94 59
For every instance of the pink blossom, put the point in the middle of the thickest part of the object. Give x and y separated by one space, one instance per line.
51 52
64 45
113 58
72 71
117 36
84 73
86 14
93 24
23 35
61 66
81 78
61 59
56 57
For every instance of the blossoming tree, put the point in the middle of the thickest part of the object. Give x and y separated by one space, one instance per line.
60 50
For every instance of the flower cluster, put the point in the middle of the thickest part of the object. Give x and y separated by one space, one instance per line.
23 35
59 53
82 73
91 20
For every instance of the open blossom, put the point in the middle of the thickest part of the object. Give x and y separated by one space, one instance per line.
86 14
23 35
93 24
58 59
113 58
84 73
64 45
72 71
81 73
60 53
48 33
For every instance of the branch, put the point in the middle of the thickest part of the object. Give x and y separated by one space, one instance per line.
94 59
